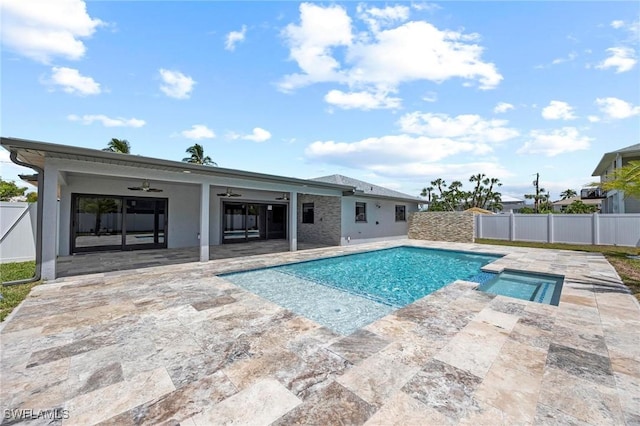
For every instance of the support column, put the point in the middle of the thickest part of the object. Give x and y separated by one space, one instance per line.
550 230
512 227
205 190
48 196
293 221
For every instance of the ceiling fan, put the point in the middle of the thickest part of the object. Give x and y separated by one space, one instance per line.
146 187
284 197
229 194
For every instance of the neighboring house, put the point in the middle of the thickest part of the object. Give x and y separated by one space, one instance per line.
511 204
614 201
111 201
561 205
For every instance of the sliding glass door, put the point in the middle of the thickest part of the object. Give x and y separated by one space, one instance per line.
243 222
104 222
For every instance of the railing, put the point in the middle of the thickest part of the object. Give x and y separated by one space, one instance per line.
592 193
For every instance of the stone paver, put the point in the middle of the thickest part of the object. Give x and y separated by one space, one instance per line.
176 344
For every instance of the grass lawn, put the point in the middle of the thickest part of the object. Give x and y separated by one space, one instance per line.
14 294
627 268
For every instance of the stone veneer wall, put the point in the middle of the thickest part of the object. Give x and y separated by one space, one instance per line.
442 226
327 220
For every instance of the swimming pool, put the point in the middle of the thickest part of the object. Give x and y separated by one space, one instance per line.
346 292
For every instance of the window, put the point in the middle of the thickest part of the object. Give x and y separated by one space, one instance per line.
361 212
307 212
401 213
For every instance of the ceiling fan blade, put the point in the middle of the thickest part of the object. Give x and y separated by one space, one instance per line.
135 188
234 195
154 190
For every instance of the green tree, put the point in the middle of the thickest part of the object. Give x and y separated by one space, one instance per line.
568 193
32 197
9 189
578 207
453 197
121 146
625 179
197 156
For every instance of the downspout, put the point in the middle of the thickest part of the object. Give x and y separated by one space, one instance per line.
37 275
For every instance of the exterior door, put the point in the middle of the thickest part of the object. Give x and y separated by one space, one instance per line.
242 222
105 222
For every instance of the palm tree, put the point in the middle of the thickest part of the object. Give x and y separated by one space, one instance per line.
121 146
625 179
426 192
198 157
568 193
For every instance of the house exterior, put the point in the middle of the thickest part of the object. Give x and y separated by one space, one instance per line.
561 205
614 201
92 200
511 204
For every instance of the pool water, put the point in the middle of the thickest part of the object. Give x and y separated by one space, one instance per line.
396 276
539 288
347 292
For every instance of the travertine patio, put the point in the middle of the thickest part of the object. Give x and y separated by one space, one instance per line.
176 344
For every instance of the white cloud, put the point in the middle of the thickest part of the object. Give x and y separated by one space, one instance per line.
379 60
593 118
615 108
310 44
430 97
361 100
466 127
617 24
198 132
235 37
176 84
555 142
426 140
502 107
42 30
621 58
447 171
71 81
558 110
257 135
570 57
107 121
377 18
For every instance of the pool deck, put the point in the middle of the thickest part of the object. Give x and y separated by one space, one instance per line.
176 344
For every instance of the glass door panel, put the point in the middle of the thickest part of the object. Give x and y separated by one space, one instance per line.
234 222
277 222
256 221
117 223
97 223
142 223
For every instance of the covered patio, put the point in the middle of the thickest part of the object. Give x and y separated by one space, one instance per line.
110 261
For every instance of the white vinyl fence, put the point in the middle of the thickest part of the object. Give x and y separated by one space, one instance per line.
597 229
17 232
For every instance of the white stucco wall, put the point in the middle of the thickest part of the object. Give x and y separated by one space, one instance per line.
381 221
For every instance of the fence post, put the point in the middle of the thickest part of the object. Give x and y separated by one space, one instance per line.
550 227
595 221
478 225
512 227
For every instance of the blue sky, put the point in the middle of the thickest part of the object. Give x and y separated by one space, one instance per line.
394 93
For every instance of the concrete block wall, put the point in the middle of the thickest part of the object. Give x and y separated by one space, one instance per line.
441 226
326 227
